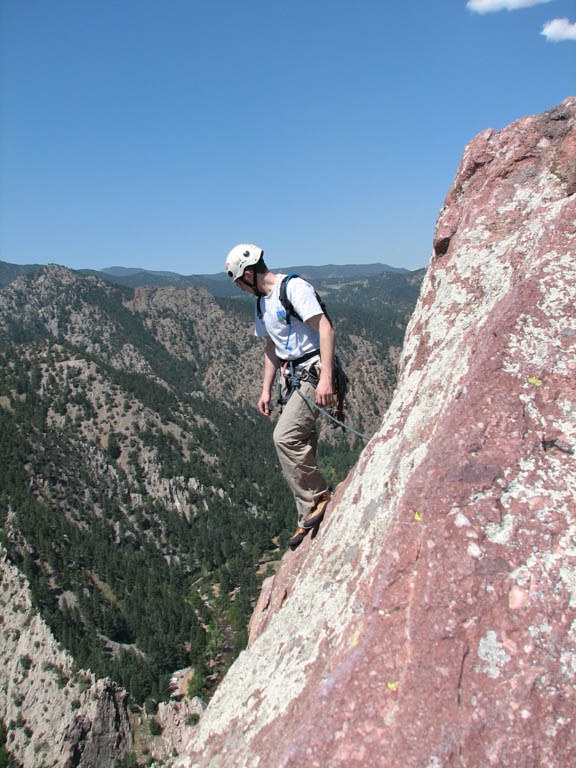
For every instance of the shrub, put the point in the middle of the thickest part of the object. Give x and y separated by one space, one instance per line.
151 706
155 727
192 719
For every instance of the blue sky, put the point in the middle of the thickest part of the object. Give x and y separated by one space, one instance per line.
160 134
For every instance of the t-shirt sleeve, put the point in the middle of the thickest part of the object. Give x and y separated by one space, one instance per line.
303 298
259 327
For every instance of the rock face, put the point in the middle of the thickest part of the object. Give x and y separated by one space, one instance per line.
432 621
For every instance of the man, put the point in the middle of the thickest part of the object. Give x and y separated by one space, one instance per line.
303 344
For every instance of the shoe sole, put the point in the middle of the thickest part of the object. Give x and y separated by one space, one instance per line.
315 521
295 541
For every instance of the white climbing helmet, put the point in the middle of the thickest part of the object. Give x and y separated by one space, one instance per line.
240 257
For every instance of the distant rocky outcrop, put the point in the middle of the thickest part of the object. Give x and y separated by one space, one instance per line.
431 623
58 714
55 713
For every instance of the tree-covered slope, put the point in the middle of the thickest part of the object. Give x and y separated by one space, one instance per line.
125 487
139 490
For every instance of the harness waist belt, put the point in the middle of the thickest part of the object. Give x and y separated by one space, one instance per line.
300 360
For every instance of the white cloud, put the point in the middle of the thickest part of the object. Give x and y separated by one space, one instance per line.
559 29
487 6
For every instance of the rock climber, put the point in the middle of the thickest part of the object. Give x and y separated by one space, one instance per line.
300 342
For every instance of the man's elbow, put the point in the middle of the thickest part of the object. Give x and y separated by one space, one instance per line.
326 328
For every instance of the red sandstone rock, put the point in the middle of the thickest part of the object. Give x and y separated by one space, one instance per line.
432 622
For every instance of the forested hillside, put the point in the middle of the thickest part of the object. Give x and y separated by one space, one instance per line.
139 491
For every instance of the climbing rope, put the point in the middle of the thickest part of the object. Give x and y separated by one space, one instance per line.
340 423
294 384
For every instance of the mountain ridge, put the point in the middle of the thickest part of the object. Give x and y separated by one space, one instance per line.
217 283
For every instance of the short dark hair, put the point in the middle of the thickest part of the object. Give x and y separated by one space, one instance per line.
260 267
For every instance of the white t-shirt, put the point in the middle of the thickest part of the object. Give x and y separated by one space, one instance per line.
295 339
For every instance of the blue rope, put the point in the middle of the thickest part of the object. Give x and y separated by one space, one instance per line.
287 345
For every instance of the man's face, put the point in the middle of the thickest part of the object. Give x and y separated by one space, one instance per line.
249 275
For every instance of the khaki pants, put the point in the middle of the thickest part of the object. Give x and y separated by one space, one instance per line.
296 440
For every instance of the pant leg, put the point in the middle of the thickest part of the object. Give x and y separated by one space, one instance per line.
295 439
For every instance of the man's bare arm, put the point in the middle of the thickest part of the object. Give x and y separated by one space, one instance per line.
271 364
326 388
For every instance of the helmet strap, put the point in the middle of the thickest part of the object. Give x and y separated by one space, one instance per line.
253 284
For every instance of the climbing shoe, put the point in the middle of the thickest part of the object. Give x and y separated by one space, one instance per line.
298 537
317 515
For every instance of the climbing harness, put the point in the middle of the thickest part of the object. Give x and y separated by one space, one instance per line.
293 384
294 378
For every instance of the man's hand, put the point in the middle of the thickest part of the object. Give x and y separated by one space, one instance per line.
326 390
271 364
264 404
